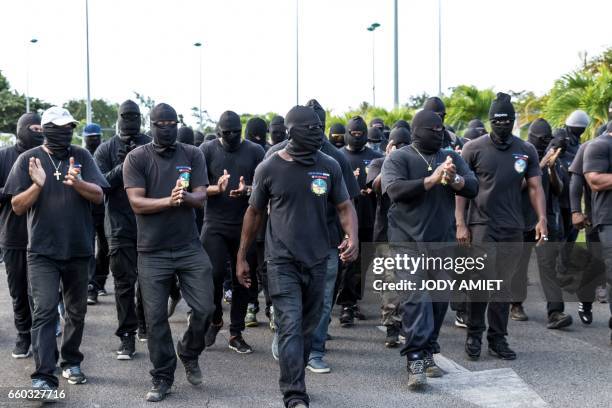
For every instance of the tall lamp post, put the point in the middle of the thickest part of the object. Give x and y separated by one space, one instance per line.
32 41
199 46
373 28
297 52
395 58
88 106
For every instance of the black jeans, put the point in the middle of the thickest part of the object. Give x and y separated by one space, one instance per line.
548 254
124 266
497 313
297 294
605 237
100 267
16 264
519 283
351 276
156 272
221 241
44 277
262 277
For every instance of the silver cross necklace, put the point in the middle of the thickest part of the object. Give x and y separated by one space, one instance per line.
57 173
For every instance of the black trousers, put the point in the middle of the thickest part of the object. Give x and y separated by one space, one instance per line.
100 266
594 274
351 276
44 278
16 264
221 241
156 272
547 255
124 266
519 282
497 313
297 294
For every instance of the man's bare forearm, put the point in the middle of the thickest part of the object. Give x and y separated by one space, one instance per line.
89 191
348 219
460 203
23 201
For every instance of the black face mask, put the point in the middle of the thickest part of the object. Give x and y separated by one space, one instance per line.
337 140
427 132
229 130
278 131
277 136
303 144
164 138
27 138
58 139
501 134
575 133
354 142
129 120
92 143
540 135
231 139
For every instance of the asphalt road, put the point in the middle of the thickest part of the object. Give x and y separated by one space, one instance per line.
569 368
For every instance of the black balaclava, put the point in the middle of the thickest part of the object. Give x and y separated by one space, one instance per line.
424 137
400 137
401 123
210 136
478 129
356 124
229 129
386 132
26 138
186 135
314 104
560 139
574 132
501 109
540 135
58 139
435 105
304 127
92 142
278 131
377 123
129 120
164 137
256 131
475 124
336 134
375 138
471 134
198 138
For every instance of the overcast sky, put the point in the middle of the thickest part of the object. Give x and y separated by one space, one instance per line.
249 48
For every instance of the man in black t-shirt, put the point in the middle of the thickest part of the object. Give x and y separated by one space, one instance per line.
165 180
14 233
297 248
597 170
451 140
120 227
421 181
351 282
502 163
230 164
56 184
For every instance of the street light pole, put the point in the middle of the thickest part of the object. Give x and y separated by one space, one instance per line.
88 106
373 28
199 45
32 41
395 58
440 48
297 52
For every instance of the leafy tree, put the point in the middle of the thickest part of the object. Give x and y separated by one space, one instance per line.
103 113
417 101
13 105
465 103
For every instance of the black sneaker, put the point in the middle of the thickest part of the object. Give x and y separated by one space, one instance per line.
347 318
211 334
392 339
22 346
74 375
461 319
431 368
127 349
585 312
500 348
192 370
416 374
46 391
92 297
159 391
473 345
558 320
240 346
141 334
102 292
517 313
357 313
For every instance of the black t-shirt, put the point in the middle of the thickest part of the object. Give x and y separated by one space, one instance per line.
500 175
382 202
60 224
598 159
552 201
429 216
297 224
364 204
143 168
119 222
576 171
333 223
221 208
13 228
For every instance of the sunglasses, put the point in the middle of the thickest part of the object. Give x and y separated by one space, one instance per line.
230 132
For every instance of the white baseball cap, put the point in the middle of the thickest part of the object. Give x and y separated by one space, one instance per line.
58 116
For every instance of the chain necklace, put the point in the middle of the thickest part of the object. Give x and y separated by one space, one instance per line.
429 168
57 173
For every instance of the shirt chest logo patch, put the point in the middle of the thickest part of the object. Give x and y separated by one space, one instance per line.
520 163
318 184
366 164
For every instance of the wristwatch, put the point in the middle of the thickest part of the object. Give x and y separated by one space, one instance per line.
457 179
